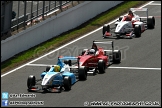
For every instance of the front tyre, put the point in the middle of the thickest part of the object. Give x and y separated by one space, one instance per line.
101 66
137 30
82 73
31 81
67 83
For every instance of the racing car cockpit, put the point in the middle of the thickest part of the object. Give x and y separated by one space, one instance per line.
130 13
127 18
91 51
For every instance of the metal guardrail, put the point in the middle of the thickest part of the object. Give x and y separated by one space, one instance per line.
18 23
29 13
40 14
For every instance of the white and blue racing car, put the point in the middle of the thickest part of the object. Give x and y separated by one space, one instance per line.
58 77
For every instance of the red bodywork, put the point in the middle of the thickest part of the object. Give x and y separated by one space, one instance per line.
91 60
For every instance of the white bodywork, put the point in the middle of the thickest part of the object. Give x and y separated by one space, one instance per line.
47 78
129 26
123 27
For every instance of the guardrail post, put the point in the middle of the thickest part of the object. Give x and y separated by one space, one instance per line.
72 3
17 27
31 15
49 6
37 7
43 10
24 15
60 5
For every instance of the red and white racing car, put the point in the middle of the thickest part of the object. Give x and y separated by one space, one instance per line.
130 26
98 59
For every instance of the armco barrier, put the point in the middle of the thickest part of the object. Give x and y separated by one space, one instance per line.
53 26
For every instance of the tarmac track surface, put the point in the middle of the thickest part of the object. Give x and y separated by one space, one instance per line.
121 82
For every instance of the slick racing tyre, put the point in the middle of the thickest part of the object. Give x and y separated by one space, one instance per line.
105 28
67 62
120 18
101 66
48 68
67 83
116 56
82 73
150 22
84 50
137 30
31 81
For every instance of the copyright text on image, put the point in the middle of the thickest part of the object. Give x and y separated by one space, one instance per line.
122 103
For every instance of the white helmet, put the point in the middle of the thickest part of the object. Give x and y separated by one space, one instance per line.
91 51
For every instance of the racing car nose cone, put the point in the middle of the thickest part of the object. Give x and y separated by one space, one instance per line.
117 33
45 87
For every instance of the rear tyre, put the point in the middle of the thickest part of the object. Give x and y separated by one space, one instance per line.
84 50
67 62
82 73
101 66
48 68
150 22
120 18
67 83
117 56
108 28
105 28
31 81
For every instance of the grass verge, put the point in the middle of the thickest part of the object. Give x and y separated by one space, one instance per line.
53 43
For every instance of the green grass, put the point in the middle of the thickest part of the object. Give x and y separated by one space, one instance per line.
53 43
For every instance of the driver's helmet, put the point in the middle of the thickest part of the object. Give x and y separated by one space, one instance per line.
130 12
128 18
57 68
91 51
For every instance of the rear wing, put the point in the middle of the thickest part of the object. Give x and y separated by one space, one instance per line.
105 42
140 9
70 58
